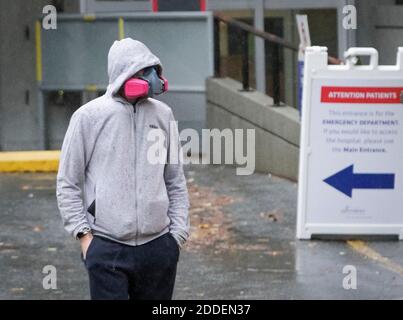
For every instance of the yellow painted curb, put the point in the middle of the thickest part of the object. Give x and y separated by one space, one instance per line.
121 28
362 248
29 161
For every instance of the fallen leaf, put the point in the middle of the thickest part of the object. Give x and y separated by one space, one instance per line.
272 216
37 229
274 253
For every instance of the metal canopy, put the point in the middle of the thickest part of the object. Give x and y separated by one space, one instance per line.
74 56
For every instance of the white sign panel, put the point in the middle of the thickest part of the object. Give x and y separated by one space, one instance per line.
304 41
303 30
351 158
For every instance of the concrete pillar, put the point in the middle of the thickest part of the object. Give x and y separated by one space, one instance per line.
260 66
346 38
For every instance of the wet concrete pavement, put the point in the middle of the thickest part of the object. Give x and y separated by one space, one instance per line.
242 245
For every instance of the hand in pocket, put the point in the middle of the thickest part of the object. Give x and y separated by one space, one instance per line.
85 243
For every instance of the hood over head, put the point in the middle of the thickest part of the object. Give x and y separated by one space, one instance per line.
125 58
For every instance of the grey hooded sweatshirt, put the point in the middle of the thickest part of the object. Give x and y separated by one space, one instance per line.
104 158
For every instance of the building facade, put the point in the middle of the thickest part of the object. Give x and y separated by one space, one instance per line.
379 25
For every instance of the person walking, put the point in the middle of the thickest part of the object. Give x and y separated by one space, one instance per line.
130 214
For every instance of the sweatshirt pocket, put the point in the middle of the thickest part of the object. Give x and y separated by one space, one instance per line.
156 217
90 196
114 218
91 211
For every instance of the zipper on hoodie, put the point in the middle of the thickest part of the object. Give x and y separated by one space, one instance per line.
135 168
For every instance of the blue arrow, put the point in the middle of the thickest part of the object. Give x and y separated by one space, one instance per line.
346 180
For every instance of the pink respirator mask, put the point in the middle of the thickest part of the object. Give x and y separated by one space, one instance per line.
147 85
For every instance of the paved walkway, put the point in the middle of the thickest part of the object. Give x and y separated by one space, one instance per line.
242 245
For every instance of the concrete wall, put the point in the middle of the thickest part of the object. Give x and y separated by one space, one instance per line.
19 128
388 32
277 129
380 25
17 64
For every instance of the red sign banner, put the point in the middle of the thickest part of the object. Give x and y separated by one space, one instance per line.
361 94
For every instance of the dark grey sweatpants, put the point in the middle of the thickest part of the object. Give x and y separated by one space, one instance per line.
118 271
